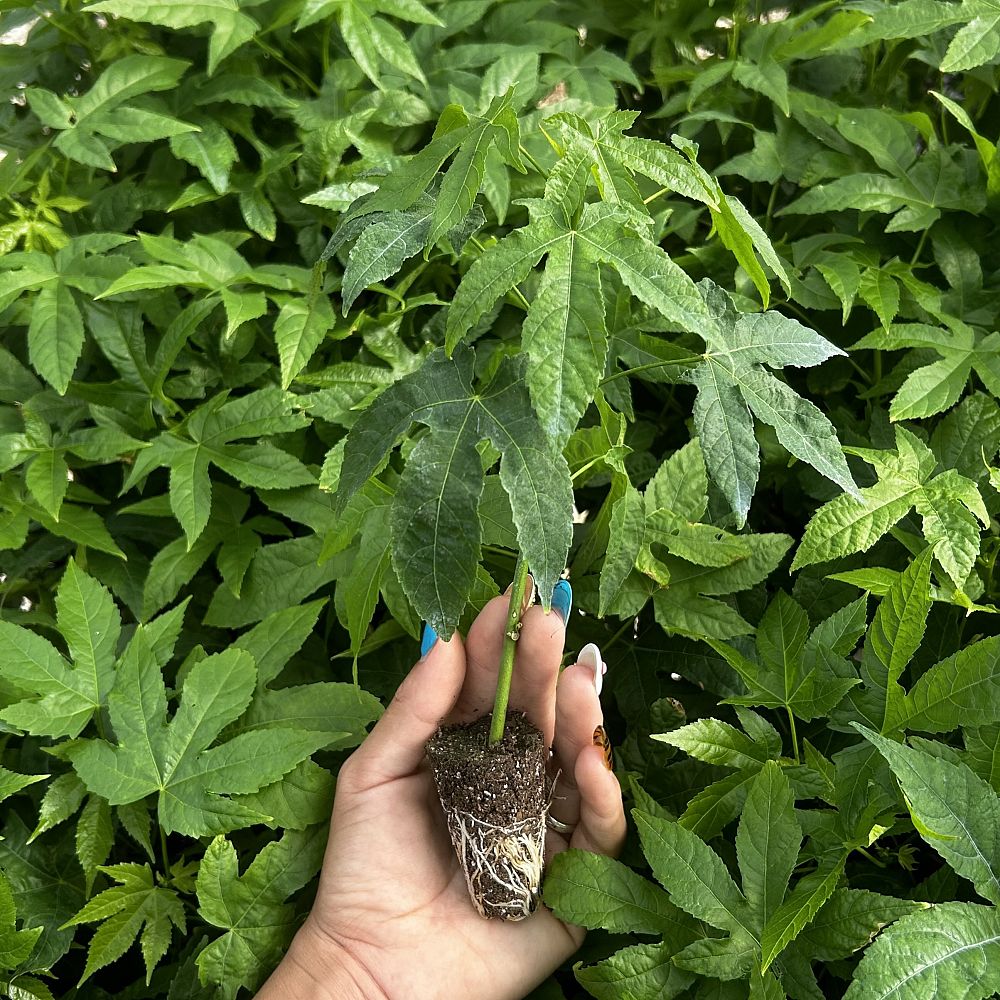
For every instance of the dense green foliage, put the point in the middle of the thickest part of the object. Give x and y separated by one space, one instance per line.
316 312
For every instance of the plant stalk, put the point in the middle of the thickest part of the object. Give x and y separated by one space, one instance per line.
163 849
510 636
690 360
794 735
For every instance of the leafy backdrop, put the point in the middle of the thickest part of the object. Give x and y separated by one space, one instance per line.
316 312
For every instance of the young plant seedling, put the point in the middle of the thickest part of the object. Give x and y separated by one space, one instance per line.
494 787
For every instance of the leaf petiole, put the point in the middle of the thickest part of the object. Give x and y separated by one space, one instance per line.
794 735
691 359
527 155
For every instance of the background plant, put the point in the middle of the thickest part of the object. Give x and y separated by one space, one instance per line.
698 301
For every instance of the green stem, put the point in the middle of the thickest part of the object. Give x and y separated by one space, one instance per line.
993 566
629 624
770 207
655 195
527 155
920 247
325 51
511 633
163 849
583 468
691 359
871 857
794 735
734 45
291 67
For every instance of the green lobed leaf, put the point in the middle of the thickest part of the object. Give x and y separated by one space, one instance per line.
435 529
134 909
717 742
957 691
798 910
250 909
948 950
192 778
767 842
15 945
850 920
640 972
692 873
593 891
231 28
954 810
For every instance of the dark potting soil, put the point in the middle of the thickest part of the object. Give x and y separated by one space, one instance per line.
502 784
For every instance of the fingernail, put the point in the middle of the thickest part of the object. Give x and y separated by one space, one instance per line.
601 740
428 639
591 656
562 600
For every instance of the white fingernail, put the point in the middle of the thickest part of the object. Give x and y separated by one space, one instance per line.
591 656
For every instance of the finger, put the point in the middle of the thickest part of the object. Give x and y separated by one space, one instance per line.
602 814
578 714
536 668
483 646
395 746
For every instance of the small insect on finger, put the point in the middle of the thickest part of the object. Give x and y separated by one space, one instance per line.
601 740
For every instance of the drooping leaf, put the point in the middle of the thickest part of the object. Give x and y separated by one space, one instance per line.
436 537
564 331
732 383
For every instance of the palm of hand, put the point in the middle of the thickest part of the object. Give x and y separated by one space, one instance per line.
400 888
392 896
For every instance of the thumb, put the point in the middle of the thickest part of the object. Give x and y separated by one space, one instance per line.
395 746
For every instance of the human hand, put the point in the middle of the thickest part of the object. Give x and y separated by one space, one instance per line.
392 917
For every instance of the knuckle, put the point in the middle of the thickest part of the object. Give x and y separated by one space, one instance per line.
348 777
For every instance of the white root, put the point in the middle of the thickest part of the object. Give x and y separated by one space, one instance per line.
502 865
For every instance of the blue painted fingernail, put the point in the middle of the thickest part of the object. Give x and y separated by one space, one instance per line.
428 639
562 600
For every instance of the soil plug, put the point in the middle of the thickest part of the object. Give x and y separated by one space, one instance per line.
494 788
